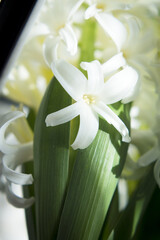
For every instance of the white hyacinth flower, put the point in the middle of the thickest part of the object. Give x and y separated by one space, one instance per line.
55 22
140 55
91 97
102 12
13 156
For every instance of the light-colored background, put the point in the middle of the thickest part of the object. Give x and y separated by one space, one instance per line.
12 221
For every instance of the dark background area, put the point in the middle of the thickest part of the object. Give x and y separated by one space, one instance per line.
13 17
150 228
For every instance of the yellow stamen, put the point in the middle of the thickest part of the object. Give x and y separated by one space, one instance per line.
89 99
125 54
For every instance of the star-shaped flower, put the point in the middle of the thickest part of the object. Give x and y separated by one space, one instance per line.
91 97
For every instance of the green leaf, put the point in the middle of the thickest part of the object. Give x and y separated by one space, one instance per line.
93 182
111 220
31 118
28 191
51 163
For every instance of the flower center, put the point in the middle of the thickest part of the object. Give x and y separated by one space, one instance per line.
125 54
89 99
101 6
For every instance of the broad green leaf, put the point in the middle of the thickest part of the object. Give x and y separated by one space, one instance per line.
93 182
51 163
31 118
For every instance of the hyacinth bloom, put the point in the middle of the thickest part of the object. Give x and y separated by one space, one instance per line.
107 14
91 97
102 12
13 156
55 22
134 55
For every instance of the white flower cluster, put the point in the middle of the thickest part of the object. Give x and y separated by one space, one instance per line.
127 51
14 155
126 60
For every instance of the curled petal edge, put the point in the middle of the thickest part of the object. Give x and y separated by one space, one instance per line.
4 123
69 38
10 162
17 201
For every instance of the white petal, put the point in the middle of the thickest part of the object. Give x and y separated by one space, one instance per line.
71 79
133 93
74 9
50 48
113 119
64 115
69 38
17 201
10 162
4 123
88 128
134 31
157 172
149 157
113 64
95 75
123 196
39 29
91 11
118 86
114 28
9 117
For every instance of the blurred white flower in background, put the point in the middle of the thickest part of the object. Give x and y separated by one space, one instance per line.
29 77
